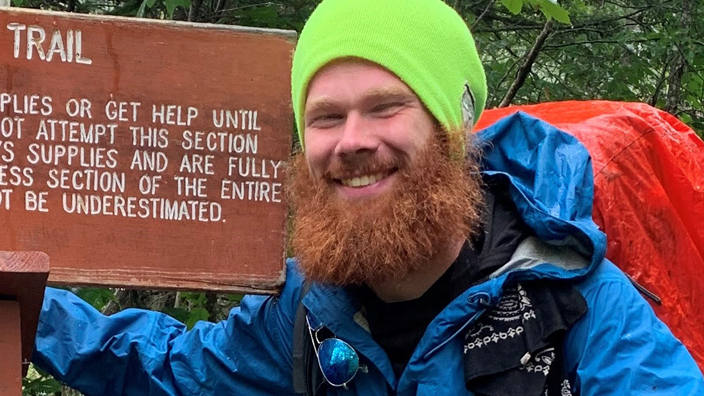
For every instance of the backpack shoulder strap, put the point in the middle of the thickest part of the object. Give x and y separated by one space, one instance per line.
305 371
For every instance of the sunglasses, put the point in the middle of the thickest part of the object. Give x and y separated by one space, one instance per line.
338 361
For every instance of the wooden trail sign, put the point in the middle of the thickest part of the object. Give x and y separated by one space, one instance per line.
145 153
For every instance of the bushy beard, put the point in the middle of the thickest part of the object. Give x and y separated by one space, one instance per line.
434 201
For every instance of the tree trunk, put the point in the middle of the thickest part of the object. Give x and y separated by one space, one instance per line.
194 12
674 81
211 305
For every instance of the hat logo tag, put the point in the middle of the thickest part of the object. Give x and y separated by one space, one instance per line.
467 107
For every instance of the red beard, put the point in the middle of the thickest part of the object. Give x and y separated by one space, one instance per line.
434 201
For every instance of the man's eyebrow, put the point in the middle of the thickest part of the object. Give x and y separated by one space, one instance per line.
380 93
320 104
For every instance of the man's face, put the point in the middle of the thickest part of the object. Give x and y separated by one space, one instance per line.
375 196
360 121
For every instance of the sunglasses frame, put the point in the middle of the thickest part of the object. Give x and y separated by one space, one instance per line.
313 332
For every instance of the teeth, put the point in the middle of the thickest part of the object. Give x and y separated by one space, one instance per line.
363 181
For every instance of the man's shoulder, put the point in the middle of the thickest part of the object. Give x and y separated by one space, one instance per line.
612 296
289 296
603 274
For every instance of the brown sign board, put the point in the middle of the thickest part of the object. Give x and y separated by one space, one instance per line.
145 153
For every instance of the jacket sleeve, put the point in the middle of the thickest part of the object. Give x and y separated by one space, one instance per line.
621 348
140 353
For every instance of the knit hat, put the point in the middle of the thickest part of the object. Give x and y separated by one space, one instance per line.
423 42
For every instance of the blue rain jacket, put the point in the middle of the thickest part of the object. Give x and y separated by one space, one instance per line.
618 347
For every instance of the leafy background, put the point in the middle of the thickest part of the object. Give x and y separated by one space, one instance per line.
534 51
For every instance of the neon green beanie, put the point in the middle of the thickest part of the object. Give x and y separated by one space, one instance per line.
424 42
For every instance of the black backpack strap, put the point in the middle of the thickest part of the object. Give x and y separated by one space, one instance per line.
306 374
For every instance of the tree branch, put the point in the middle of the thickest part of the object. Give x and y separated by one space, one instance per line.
479 18
659 85
575 27
527 64
506 29
554 46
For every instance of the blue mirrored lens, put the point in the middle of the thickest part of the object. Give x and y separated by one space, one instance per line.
338 361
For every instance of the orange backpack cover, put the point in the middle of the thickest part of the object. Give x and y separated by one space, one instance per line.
648 199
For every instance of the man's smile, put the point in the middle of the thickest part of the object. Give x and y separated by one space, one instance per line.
364 185
364 180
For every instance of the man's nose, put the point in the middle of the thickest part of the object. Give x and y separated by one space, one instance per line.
358 139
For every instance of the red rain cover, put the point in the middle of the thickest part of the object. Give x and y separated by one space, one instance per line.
649 199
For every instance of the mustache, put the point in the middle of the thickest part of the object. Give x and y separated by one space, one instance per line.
344 168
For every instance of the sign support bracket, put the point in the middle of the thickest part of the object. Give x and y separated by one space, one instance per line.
23 278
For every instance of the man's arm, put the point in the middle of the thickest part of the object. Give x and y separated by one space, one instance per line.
137 352
621 348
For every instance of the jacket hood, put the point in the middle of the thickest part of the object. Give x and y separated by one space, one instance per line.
552 185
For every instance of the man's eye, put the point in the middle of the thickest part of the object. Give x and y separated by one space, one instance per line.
325 120
387 109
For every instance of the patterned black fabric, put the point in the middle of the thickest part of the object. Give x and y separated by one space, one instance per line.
398 327
515 348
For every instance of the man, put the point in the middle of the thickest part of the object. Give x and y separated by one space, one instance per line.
429 271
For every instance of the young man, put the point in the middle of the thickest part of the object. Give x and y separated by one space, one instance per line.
433 270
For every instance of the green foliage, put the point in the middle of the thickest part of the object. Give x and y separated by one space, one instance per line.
39 383
168 5
514 6
172 4
96 297
193 309
614 49
553 10
549 8
143 7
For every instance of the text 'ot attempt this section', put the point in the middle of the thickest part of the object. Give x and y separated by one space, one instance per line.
145 153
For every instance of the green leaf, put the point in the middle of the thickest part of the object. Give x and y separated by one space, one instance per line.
179 314
195 299
554 11
262 16
514 6
17 3
142 8
686 118
195 316
236 298
39 383
41 386
98 298
172 4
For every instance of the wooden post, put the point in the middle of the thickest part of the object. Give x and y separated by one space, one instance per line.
23 277
11 347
